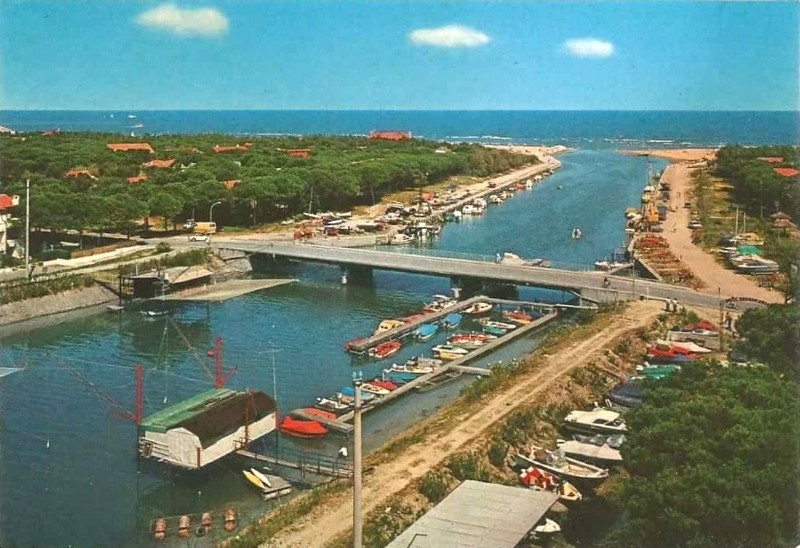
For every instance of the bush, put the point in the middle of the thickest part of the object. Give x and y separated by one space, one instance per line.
497 453
433 487
585 316
162 247
467 466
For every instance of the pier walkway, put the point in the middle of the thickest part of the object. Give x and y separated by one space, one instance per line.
590 284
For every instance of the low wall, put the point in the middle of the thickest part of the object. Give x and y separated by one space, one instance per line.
55 304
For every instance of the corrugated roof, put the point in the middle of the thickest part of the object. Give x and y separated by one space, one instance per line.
786 171
479 514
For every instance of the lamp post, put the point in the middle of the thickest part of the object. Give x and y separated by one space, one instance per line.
357 534
211 210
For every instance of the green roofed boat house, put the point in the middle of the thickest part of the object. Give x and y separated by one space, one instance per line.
206 427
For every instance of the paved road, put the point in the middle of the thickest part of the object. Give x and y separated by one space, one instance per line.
587 282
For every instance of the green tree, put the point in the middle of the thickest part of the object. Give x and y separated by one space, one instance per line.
771 335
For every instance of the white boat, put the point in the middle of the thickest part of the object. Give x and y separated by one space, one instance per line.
576 233
549 527
401 239
498 325
468 209
605 266
589 451
374 389
264 479
416 369
495 199
478 308
449 352
599 419
557 463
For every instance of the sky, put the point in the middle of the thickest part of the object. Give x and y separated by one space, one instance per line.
398 55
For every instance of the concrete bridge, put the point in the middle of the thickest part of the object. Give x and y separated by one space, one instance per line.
589 285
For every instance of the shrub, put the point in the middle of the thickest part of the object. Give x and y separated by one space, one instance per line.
162 247
433 487
467 466
497 453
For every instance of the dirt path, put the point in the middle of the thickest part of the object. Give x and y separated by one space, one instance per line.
389 478
716 278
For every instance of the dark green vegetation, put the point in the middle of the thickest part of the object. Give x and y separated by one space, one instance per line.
712 455
772 336
339 173
755 183
19 290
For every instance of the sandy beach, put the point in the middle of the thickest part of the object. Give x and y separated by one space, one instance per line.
716 278
530 150
676 155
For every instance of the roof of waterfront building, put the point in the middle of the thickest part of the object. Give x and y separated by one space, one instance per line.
137 179
479 514
159 163
177 274
211 414
786 171
231 183
771 159
129 147
238 148
390 135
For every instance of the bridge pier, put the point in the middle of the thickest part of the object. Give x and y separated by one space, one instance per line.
362 275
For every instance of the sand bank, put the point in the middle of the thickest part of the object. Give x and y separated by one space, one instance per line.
539 151
676 155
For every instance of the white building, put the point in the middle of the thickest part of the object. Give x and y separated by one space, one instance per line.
6 203
206 427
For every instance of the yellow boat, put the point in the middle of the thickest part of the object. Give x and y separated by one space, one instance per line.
254 480
387 325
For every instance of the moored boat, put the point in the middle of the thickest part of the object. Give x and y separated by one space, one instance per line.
557 463
499 325
672 355
599 420
426 331
591 452
541 480
477 309
387 325
319 413
349 393
334 404
496 331
373 388
384 350
383 384
302 428
517 316
470 340
449 352
614 441
439 303
451 321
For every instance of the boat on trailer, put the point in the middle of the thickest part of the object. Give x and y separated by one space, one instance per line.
541 480
599 420
557 463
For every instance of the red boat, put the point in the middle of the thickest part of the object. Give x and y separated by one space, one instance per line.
384 350
518 317
302 429
388 385
319 413
656 354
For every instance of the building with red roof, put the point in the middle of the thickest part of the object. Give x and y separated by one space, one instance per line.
137 179
7 202
299 152
238 148
390 135
786 171
771 159
161 164
231 183
131 147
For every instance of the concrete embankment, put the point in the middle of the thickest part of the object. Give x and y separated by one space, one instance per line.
55 304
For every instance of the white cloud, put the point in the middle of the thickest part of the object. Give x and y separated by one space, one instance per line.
449 36
589 47
184 21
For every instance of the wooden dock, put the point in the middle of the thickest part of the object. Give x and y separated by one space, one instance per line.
314 463
408 328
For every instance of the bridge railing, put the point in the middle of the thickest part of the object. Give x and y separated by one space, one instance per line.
447 254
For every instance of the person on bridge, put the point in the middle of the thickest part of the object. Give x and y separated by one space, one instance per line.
606 282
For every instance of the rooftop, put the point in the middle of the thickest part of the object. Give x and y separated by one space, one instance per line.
7 201
479 514
238 148
159 163
787 171
390 135
177 274
128 147
771 159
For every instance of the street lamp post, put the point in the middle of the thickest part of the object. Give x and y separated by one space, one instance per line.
357 527
211 210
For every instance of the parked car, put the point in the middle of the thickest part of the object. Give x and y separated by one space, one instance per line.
198 238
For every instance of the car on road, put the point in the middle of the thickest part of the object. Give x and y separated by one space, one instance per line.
198 238
189 224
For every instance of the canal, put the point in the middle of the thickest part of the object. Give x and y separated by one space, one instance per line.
68 467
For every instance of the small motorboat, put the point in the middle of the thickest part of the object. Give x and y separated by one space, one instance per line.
229 519
614 441
451 321
477 309
439 303
598 420
499 325
539 479
387 325
557 463
383 384
591 452
576 233
413 367
384 350
349 393
518 316
399 378
470 341
493 330
401 239
333 404
426 331
303 428
319 413
672 355
449 352
372 388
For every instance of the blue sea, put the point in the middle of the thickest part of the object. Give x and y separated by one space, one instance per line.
592 129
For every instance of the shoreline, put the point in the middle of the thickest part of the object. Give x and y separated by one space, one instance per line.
674 155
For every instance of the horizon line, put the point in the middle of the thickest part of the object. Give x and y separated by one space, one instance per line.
797 111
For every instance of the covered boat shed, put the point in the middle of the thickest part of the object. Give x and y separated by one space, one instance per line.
479 514
198 431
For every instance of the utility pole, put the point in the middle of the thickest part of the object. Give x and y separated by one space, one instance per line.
357 535
27 228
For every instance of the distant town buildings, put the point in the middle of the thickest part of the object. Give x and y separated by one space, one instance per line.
390 135
131 147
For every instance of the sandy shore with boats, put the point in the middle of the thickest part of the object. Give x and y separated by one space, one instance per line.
716 279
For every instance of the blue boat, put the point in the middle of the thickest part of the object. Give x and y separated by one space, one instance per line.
399 377
451 321
493 330
350 392
426 331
